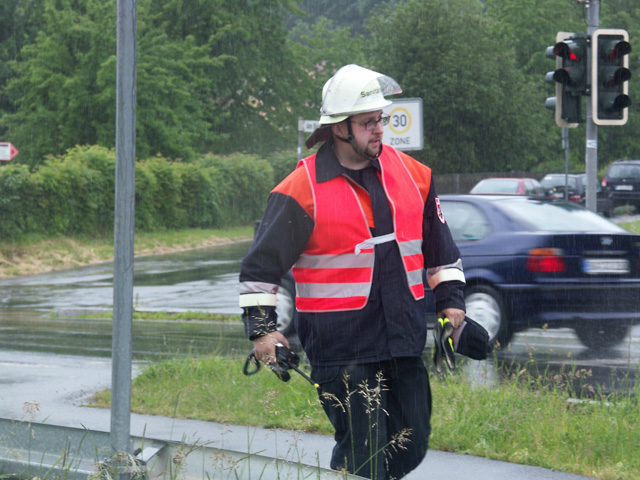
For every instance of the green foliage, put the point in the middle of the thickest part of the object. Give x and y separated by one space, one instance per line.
211 76
13 180
73 194
250 91
199 198
165 196
480 112
350 14
65 197
245 182
235 75
283 163
54 84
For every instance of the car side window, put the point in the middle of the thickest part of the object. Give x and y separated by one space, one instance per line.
466 221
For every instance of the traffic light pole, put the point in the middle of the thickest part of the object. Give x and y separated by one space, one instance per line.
591 153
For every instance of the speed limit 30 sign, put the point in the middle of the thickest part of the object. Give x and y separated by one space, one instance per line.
404 130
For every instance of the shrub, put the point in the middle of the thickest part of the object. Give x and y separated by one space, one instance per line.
244 184
13 193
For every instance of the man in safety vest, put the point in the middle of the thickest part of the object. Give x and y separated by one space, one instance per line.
357 223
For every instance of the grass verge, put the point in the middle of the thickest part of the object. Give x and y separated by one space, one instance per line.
35 254
527 419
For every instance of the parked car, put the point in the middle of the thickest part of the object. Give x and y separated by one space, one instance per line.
537 262
622 183
508 186
556 183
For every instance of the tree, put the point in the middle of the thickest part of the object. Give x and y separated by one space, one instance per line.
351 14
212 76
253 96
321 52
54 83
480 110
19 22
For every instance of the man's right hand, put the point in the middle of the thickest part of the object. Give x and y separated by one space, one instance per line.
265 346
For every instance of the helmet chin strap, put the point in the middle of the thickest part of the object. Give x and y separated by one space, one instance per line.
351 141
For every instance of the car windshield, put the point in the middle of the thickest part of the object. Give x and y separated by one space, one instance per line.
558 181
624 171
496 186
557 217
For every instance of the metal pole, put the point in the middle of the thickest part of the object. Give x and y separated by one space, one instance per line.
565 147
300 137
591 154
123 227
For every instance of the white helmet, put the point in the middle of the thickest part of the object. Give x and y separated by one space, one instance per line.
352 90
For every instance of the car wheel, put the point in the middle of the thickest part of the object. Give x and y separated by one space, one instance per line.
602 336
286 307
484 305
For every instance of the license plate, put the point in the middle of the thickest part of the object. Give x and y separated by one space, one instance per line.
595 266
624 187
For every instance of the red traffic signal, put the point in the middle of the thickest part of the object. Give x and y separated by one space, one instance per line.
610 76
570 77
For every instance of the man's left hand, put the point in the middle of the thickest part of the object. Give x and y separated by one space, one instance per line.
455 316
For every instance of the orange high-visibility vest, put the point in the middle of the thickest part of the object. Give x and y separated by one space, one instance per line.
335 271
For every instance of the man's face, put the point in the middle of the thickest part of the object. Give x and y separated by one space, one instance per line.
367 131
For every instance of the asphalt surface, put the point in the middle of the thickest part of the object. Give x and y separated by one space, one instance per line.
55 389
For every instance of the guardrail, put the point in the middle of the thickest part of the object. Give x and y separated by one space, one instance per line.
35 450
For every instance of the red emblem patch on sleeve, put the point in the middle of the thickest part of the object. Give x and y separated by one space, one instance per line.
439 211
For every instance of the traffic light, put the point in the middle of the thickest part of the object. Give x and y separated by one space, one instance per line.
570 77
610 76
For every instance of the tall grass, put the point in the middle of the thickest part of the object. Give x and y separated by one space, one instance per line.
536 418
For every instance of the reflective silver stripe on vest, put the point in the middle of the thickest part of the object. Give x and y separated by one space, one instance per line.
332 290
410 247
345 260
414 277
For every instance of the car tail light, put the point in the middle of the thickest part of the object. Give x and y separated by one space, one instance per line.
575 198
546 260
604 183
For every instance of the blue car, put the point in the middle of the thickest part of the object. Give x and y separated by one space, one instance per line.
539 262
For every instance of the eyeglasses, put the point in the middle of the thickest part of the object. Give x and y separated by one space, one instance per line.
371 124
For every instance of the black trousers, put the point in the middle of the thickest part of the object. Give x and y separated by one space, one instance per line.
381 415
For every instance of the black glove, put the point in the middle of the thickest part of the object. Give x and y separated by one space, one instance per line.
473 341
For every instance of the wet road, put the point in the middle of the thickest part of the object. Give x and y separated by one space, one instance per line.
201 279
206 280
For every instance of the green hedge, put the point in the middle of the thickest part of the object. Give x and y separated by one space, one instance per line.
74 194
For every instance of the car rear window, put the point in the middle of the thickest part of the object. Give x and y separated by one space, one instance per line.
624 171
558 181
557 217
496 186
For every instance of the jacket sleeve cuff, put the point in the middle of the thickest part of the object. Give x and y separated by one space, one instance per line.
259 321
449 295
